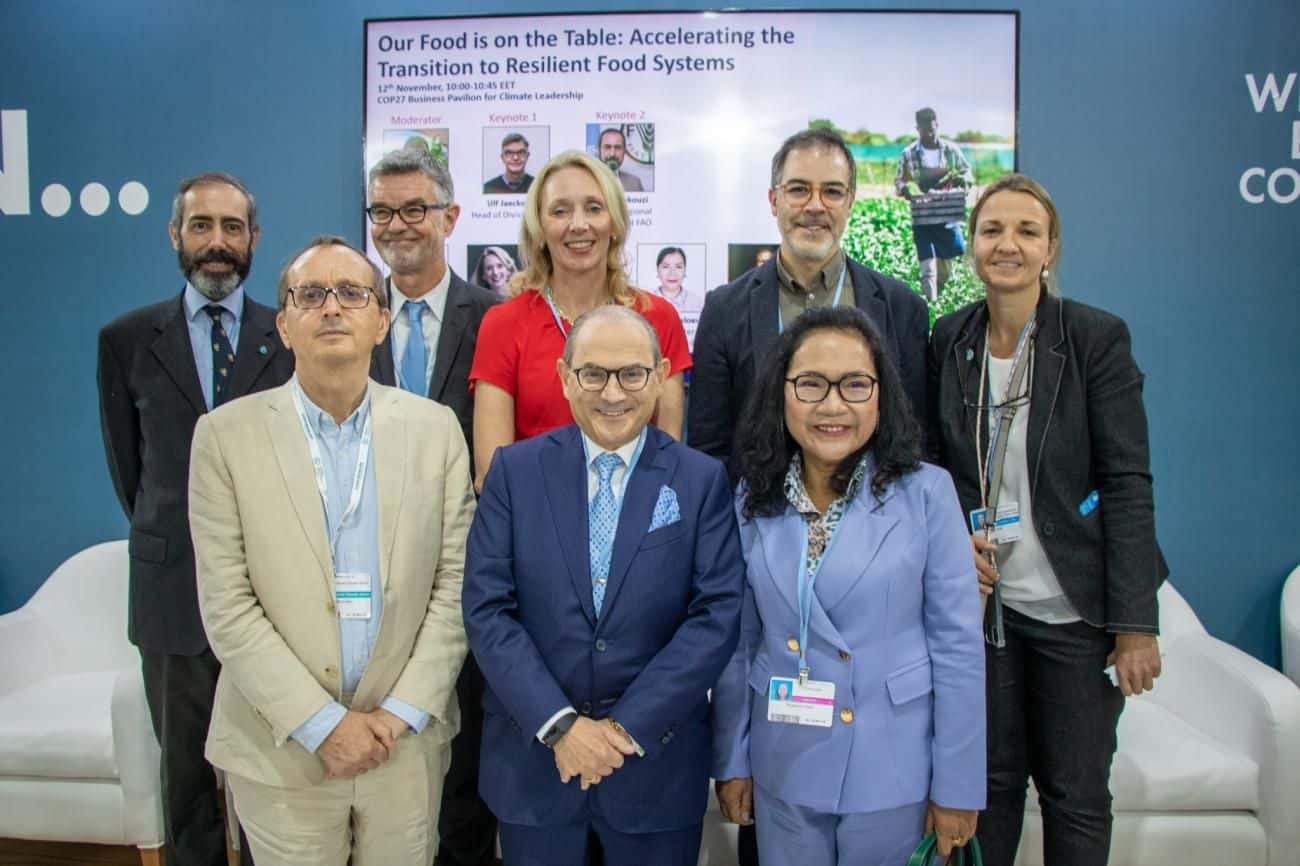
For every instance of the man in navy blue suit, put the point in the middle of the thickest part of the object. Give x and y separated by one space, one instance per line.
602 600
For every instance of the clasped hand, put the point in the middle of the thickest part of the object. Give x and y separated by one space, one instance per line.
360 742
591 750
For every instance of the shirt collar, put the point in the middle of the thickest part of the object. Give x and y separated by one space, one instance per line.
320 420
195 301
797 495
436 298
624 451
829 275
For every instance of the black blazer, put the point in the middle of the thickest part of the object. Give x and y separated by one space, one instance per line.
1087 431
449 384
739 325
149 401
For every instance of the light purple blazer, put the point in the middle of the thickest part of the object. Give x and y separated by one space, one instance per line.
896 625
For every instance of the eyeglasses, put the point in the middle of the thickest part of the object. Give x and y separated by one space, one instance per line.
514 154
411 214
630 378
799 192
814 388
313 297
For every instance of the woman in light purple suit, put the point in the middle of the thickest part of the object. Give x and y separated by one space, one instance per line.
860 590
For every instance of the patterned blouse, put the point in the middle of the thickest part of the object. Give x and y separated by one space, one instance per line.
821 527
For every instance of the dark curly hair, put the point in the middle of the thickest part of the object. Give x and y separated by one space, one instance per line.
765 446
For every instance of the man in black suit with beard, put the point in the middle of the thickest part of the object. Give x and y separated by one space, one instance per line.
428 351
160 368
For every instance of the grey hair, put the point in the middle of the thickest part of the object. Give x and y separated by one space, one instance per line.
408 160
282 289
816 137
610 313
204 179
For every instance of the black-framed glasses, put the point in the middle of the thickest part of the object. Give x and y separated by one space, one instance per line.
814 387
312 297
798 193
515 154
630 378
411 214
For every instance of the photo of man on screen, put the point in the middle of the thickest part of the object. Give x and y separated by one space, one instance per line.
611 145
515 180
933 175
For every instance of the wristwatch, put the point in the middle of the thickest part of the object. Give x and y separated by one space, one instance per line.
559 729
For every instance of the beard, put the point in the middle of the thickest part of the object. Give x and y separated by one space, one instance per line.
214 287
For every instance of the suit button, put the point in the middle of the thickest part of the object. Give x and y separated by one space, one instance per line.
846 715
792 644
329 671
1048 527
844 656
585 709
600 645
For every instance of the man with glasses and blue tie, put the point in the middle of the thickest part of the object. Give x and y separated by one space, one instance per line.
813 184
602 596
329 518
160 368
428 351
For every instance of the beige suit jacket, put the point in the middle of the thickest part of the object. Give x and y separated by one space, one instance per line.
266 579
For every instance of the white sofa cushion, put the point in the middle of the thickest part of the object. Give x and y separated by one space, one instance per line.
59 728
1165 765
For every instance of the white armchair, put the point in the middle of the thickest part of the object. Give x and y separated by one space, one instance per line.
1208 765
1291 626
78 757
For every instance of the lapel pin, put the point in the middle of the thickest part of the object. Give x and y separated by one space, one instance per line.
262 350
970 354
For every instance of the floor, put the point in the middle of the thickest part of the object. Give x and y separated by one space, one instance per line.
21 852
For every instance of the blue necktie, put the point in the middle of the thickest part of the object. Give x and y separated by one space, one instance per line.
223 357
415 357
602 521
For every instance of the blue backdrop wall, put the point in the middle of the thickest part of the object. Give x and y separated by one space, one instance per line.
1138 117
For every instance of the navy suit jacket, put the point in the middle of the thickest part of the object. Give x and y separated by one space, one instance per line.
149 401
449 385
738 327
669 623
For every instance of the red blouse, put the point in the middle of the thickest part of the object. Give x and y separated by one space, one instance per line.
519 343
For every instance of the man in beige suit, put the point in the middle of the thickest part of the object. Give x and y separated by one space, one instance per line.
329 558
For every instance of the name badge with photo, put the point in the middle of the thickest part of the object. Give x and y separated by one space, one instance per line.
1006 527
791 702
352 594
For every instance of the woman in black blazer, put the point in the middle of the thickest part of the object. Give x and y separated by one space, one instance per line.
1078 566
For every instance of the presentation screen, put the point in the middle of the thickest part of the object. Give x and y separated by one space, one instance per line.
688 108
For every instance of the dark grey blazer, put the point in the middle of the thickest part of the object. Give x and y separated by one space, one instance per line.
739 325
1087 431
149 401
449 384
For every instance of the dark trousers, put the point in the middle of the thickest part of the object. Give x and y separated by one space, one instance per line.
467 828
566 845
747 846
180 690
1052 715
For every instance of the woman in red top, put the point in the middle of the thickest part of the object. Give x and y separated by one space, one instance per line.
575 223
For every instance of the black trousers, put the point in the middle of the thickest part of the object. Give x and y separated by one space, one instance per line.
180 690
1052 715
467 828
747 846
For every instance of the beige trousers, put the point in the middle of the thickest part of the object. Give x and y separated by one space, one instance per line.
387 816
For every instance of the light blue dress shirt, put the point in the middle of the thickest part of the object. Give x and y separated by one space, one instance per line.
356 550
199 324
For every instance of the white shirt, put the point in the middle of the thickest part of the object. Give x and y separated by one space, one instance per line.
430 323
1029 585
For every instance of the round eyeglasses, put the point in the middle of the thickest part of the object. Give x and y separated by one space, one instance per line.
814 388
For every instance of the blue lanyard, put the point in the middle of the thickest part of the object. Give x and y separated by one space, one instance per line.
835 301
806 582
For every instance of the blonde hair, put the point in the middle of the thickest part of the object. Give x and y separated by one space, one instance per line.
1024 183
533 253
